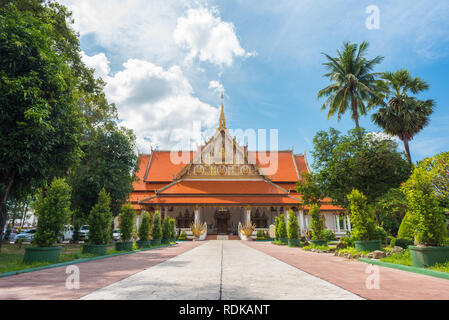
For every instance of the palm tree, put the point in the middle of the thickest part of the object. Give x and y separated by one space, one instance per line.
403 116
353 85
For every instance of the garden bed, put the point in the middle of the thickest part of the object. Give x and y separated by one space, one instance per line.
11 258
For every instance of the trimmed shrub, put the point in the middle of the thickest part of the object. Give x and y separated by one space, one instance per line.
144 228
282 227
53 211
316 224
172 229
381 234
362 219
328 235
423 206
126 222
260 235
166 230
183 235
403 243
99 219
347 241
407 227
293 227
157 230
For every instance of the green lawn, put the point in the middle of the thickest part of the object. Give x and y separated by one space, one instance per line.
12 255
405 259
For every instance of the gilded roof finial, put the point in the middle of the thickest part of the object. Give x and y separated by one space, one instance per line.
222 116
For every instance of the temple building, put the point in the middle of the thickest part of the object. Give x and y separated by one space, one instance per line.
223 183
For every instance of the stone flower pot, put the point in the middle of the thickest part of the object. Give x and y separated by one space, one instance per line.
143 244
41 254
318 242
367 245
156 242
293 242
124 246
97 249
428 256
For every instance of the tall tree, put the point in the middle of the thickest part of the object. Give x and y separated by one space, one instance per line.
40 124
402 115
345 162
109 162
354 85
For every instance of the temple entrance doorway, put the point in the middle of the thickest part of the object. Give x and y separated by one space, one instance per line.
222 221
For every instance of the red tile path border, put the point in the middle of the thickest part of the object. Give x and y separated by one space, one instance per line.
352 275
49 284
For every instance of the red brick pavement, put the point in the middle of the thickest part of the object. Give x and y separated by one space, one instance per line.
50 283
351 275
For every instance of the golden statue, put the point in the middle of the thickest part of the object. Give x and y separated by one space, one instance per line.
198 229
247 230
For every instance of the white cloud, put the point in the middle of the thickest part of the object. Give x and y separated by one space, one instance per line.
216 86
206 37
98 62
158 104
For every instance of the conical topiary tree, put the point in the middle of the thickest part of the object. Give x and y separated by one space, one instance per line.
316 224
156 230
53 211
363 220
144 228
292 229
166 230
172 229
282 229
99 219
126 222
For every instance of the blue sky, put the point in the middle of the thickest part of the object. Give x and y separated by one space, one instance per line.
164 61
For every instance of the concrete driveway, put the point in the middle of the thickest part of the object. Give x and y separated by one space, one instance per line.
222 270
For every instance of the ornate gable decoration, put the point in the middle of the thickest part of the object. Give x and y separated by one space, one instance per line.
221 157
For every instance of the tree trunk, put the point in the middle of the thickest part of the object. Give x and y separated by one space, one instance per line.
4 195
407 150
355 113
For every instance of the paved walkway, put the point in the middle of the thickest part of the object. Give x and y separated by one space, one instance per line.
222 270
352 275
51 283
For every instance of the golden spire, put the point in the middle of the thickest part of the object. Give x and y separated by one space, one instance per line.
222 116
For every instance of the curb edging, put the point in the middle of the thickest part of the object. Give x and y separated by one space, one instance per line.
81 260
426 272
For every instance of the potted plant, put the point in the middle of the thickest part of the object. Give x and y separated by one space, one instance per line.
363 223
99 221
53 211
126 222
166 230
293 229
425 213
316 226
282 230
144 230
156 231
182 236
172 230
260 235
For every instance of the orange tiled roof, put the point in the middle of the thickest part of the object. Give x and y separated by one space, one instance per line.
286 170
222 187
162 168
220 200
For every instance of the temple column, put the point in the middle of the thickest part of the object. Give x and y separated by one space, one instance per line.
337 216
301 221
286 210
349 223
248 214
196 211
